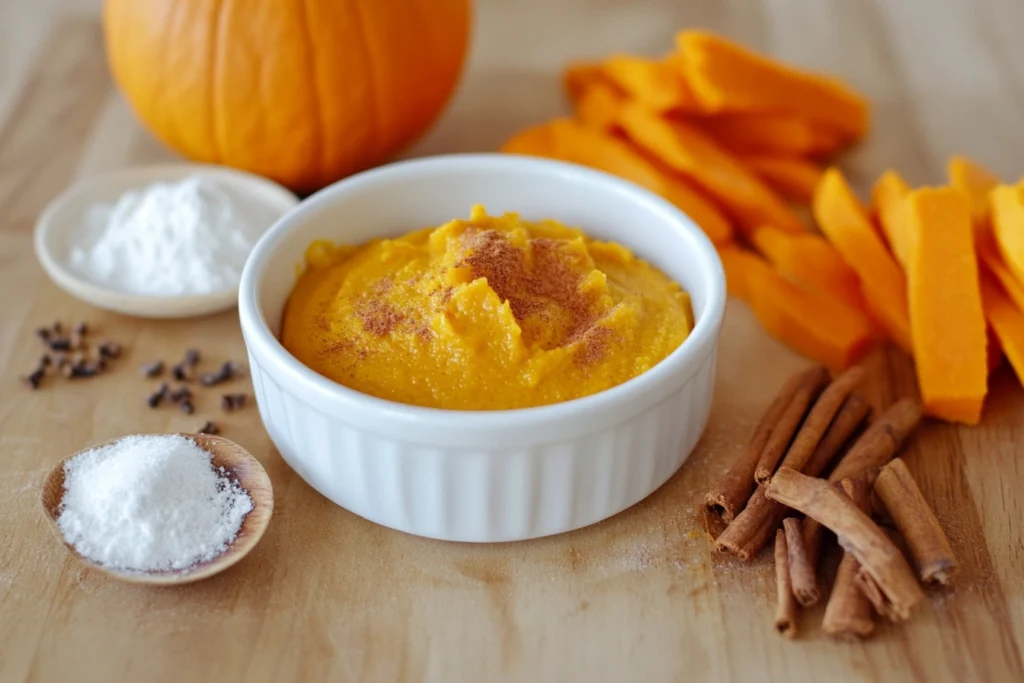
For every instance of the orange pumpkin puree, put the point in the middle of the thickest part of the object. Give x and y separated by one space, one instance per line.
489 313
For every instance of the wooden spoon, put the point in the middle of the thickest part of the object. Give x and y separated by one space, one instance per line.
239 465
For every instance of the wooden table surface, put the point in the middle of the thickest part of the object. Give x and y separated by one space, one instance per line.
328 595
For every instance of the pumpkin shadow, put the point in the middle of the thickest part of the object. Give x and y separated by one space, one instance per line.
489 108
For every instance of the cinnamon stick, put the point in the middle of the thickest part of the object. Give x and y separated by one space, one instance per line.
753 528
916 521
801 574
731 493
848 614
785 607
814 537
811 385
847 421
853 413
884 575
713 524
880 441
817 422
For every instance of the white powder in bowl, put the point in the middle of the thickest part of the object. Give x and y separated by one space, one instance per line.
150 503
170 239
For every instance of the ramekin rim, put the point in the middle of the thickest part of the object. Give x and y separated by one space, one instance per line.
684 360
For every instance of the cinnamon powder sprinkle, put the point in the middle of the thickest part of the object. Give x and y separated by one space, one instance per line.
595 345
533 281
492 257
379 317
527 286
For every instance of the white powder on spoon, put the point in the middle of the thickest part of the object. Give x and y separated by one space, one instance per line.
150 503
170 239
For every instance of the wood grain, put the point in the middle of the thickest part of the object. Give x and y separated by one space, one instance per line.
638 597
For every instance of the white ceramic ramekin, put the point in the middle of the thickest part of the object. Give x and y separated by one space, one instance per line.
488 475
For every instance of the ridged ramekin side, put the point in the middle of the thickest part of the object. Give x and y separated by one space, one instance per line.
486 492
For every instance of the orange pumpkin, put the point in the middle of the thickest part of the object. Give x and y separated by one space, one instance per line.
301 92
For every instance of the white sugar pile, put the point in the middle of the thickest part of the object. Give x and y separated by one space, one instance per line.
150 503
169 239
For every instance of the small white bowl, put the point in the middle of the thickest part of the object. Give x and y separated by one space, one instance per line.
64 215
484 475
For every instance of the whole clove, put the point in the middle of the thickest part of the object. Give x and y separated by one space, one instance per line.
154 399
192 357
209 428
182 393
60 344
182 372
34 378
82 369
68 352
226 372
154 369
109 349
230 402
186 406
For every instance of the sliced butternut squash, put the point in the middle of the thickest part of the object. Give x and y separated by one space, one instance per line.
888 206
994 351
578 77
657 84
686 150
946 315
725 76
771 133
598 105
737 262
988 254
792 177
975 181
568 140
1007 202
845 222
811 261
697 206
1006 321
811 323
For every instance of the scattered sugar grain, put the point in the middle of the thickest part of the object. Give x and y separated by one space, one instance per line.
150 503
